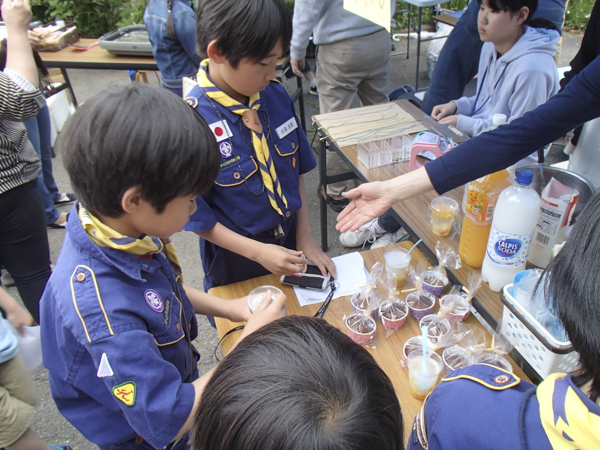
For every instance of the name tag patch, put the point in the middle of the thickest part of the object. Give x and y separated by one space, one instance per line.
285 129
221 130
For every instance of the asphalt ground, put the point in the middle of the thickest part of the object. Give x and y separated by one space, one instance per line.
48 422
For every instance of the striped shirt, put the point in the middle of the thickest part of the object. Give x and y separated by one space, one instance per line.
19 101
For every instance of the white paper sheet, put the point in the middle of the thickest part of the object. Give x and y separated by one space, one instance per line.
351 274
30 347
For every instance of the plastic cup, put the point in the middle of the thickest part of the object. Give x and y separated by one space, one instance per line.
523 284
434 283
454 358
258 294
393 314
460 311
495 359
360 304
397 260
361 328
415 343
438 329
421 381
420 304
443 210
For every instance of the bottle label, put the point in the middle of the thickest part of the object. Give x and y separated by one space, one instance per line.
508 249
480 202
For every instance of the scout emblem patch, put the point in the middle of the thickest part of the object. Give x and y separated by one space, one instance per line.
104 370
154 301
221 130
294 162
126 392
225 149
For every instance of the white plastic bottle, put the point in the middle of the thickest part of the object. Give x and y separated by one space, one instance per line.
515 218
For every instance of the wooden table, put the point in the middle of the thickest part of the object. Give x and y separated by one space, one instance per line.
388 352
414 216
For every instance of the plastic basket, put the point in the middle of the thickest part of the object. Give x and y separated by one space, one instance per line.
380 152
534 343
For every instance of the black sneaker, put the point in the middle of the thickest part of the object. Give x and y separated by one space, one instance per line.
337 205
313 90
66 198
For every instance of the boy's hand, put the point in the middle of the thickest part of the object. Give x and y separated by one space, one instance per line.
280 260
314 253
444 110
266 312
19 318
37 35
239 310
16 13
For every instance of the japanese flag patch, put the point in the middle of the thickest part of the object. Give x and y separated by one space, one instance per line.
221 130
126 392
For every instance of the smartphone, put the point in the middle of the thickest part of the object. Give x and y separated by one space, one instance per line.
312 279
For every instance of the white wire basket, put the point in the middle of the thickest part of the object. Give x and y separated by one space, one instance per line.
534 343
380 152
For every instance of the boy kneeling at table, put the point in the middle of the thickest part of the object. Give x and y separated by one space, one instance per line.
117 320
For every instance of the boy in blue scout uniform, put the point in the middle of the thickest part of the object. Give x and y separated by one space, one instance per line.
117 320
483 406
254 219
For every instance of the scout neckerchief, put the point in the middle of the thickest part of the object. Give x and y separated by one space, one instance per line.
566 419
251 121
104 236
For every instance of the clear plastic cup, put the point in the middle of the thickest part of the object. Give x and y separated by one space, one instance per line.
523 284
258 294
443 210
422 381
397 260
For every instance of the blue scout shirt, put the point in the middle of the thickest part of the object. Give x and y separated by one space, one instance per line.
116 340
483 406
238 199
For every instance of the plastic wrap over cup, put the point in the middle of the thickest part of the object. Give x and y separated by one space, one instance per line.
420 304
454 307
434 282
258 294
497 359
393 313
455 357
360 303
439 331
361 328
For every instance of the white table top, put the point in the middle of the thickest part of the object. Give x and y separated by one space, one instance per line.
425 3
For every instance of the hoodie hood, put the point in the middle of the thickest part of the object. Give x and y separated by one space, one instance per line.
534 40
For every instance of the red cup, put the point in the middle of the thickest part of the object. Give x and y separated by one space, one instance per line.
398 322
358 336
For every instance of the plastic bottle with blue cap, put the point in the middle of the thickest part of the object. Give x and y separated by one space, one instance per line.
515 217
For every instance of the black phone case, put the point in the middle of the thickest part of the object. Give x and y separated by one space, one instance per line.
314 280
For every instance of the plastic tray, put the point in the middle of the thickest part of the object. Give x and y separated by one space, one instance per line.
380 152
131 40
535 344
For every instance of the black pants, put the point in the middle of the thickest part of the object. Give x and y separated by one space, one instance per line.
24 249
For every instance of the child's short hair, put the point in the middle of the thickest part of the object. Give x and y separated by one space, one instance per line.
512 6
298 383
137 135
243 28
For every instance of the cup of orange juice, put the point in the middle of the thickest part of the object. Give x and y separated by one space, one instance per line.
443 210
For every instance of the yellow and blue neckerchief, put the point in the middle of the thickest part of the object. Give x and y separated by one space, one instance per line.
104 236
259 141
567 421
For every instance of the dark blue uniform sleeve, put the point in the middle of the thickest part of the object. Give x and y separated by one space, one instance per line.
504 146
203 219
147 389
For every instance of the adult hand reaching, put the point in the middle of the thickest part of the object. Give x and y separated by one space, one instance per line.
297 66
370 200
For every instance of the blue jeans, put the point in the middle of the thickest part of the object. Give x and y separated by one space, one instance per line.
39 133
459 58
388 223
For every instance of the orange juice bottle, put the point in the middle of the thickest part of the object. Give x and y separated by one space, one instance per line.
482 195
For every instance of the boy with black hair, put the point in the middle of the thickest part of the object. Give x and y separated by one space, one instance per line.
117 320
254 219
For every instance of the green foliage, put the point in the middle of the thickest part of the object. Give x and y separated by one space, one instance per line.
578 13
93 17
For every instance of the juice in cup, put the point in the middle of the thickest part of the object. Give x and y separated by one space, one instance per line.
443 210
397 260
421 382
